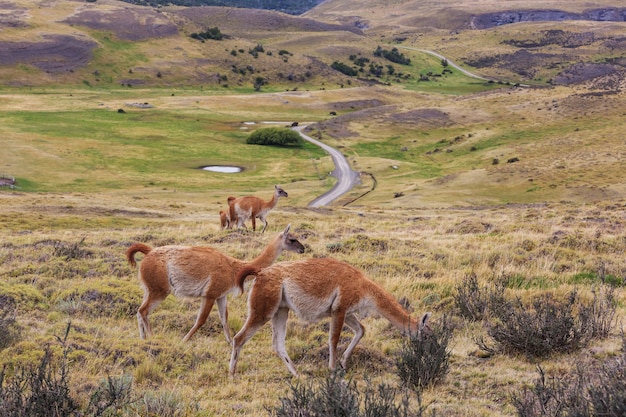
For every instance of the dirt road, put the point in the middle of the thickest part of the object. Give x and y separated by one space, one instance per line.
346 177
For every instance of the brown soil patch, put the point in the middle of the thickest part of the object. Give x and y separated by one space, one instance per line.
129 24
489 20
57 53
236 19
581 72
12 16
7 181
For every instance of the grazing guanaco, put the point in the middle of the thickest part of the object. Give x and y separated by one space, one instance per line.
197 271
225 220
314 289
251 207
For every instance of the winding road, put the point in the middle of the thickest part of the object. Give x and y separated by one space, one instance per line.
346 177
450 63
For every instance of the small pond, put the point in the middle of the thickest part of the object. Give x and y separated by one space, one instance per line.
222 168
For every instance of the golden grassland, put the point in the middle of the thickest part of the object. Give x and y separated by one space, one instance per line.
420 254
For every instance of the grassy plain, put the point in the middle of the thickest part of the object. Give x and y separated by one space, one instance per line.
439 198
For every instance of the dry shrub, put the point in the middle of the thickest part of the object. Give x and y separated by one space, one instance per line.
592 390
43 389
338 397
9 329
71 250
424 361
544 326
541 327
473 301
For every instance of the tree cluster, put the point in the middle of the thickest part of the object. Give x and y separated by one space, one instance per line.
211 33
394 55
274 136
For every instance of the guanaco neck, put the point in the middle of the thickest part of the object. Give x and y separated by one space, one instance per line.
272 202
389 308
265 258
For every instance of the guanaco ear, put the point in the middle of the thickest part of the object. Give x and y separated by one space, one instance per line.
424 329
286 231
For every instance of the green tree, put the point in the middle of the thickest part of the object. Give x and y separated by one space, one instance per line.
275 136
343 68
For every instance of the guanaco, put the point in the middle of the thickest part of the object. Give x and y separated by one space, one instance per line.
225 220
197 271
251 207
314 289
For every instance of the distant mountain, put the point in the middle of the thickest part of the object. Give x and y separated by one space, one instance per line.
294 7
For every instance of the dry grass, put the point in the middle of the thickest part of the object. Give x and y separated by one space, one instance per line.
418 255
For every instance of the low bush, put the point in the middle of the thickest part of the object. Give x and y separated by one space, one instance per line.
473 301
548 324
337 397
9 329
541 327
592 390
43 389
424 361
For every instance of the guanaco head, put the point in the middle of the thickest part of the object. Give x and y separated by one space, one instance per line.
224 220
287 242
280 192
424 331
290 242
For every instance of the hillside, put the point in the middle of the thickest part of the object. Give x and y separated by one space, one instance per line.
294 7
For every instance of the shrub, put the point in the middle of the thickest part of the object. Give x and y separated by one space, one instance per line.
337 397
394 55
43 390
542 327
592 390
275 136
9 329
472 301
344 69
545 326
113 393
165 404
71 250
37 390
424 361
211 33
